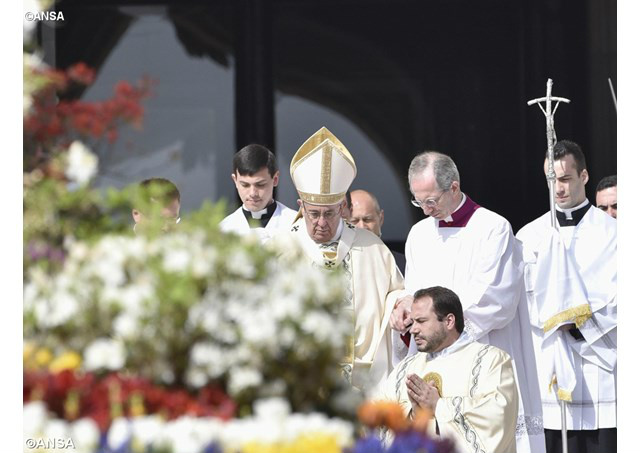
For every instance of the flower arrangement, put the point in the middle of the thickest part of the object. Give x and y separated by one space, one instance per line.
188 310
391 432
273 429
187 341
72 396
52 121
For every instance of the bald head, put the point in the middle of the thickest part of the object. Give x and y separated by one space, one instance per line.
366 212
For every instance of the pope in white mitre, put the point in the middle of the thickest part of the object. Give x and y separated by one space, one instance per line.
322 171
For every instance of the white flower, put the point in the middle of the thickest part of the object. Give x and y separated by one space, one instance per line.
196 378
56 429
30 295
287 306
176 260
271 408
259 327
104 353
78 250
188 434
83 164
210 358
59 309
202 262
240 263
125 326
241 378
204 316
287 336
132 296
110 271
321 326
239 432
85 435
119 433
34 417
146 429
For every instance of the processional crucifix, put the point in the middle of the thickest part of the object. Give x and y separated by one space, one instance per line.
549 111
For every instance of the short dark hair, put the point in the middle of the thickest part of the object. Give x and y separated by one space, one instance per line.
445 301
253 158
168 189
566 147
606 182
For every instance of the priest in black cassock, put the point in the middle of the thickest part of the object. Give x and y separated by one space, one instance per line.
584 317
255 175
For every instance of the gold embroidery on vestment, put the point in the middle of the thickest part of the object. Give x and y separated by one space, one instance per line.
579 315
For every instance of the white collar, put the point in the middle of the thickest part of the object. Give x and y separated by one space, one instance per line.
257 214
463 340
568 212
449 218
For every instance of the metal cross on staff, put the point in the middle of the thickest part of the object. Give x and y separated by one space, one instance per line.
549 111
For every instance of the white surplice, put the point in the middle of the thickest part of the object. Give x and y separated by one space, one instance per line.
478 403
375 285
592 244
482 263
281 220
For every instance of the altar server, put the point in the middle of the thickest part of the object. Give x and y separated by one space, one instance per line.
255 175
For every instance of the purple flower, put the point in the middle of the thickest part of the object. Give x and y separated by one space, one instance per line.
212 448
411 442
368 444
416 442
39 250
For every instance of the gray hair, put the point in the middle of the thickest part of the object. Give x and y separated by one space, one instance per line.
444 168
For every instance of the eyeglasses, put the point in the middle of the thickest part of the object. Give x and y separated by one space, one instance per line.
328 215
429 203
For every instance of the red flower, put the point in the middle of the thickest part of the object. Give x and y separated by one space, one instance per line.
52 122
73 395
81 73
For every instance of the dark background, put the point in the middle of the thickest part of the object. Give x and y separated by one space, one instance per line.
446 75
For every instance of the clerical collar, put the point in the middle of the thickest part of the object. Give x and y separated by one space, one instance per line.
572 216
263 215
460 217
463 340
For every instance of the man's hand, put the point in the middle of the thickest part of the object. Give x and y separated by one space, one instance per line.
421 394
400 319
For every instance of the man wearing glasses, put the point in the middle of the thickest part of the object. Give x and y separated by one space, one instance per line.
472 251
322 171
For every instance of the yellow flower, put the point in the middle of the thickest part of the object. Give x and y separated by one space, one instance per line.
136 404
67 361
28 355
316 443
308 443
28 349
43 357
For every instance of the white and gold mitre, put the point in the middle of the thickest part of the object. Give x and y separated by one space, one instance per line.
322 169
